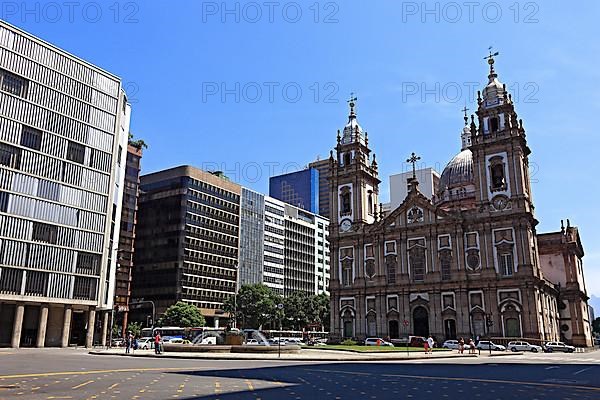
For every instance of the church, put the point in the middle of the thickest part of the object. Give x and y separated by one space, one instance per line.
468 262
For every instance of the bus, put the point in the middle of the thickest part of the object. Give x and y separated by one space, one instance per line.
166 332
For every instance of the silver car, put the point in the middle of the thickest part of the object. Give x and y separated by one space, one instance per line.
523 346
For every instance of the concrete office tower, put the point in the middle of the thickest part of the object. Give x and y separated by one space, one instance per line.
63 138
127 234
428 179
302 247
282 246
274 245
187 241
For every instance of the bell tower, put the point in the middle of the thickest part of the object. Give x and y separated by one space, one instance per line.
502 181
500 151
354 189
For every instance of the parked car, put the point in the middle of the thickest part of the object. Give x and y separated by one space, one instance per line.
417 341
118 342
377 342
146 343
252 342
523 346
558 346
450 344
486 344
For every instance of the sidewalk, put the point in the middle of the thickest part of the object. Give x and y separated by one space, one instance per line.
303 355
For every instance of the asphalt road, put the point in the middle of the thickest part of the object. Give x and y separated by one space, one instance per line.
74 374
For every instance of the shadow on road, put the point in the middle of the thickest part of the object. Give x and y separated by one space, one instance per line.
423 381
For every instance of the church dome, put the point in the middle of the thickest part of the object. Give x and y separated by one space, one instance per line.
458 172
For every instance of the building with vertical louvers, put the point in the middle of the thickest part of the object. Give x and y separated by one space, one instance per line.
63 138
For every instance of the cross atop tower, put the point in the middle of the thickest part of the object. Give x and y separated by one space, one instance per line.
464 110
413 159
490 59
352 102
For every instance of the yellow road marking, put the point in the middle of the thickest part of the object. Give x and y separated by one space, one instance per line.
82 384
249 385
114 385
217 387
445 378
181 388
59 397
89 372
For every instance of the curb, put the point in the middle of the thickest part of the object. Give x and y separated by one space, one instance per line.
188 357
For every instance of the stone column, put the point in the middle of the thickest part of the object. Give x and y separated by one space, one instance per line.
17 326
41 336
66 327
104 327
89 338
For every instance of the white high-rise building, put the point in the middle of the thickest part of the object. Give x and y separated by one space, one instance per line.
294 243
64 126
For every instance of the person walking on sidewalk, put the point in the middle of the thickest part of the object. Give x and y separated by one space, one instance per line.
157 340
430 343
128 342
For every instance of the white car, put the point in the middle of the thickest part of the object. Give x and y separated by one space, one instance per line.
450 344
558 346
252 342
377 342
146 343
523 346
486 345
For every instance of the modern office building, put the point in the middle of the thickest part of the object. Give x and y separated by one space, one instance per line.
274 237
252 219
187 240
292 243
300 189
131 189
324 168
303 244
63 137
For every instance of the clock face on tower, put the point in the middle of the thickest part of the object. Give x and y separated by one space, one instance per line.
345 225
500 202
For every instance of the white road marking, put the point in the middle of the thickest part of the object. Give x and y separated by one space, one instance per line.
581 370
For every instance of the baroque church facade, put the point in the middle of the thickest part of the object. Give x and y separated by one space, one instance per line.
465 263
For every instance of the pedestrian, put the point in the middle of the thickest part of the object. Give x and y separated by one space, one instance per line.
157 340
461 345
430 343
426 346
128 342
471 346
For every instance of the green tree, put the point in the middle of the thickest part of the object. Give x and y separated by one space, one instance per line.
138 144
135 328
596 326
298 309
183 315
322 306
254 306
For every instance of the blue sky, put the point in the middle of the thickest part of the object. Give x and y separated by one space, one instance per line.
219 87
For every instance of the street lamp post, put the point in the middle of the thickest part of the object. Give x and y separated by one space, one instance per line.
280 307
135 303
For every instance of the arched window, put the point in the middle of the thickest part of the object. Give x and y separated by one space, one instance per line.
494 124
345 202
347 158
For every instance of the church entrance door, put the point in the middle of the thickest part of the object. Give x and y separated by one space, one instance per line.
421 321
394 330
